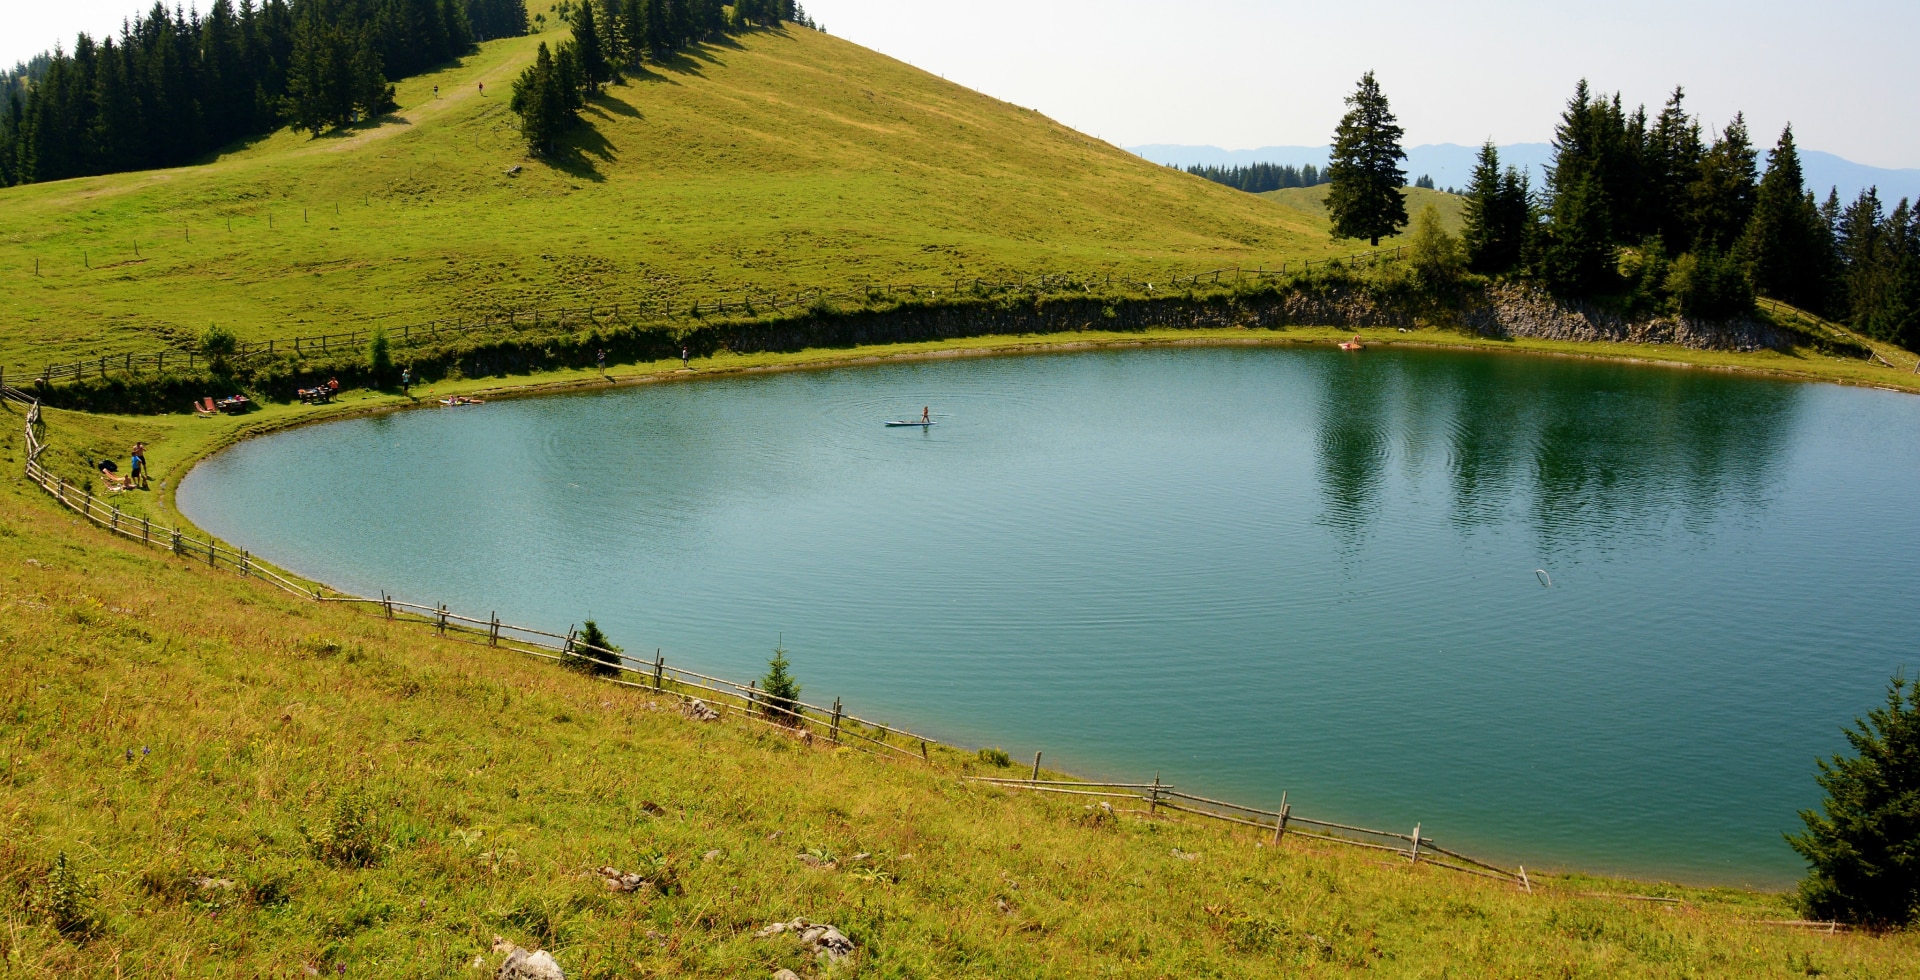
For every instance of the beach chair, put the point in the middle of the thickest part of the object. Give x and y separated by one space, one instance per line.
204 408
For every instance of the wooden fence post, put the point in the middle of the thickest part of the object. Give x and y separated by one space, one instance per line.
1036 768
493 631
114 525
146 531
246 564
1280 822
176 541
1153 805
386 599
1415 856
836 721
659 667
924 755
211 549
440 624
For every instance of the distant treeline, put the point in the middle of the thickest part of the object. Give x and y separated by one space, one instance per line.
175 87
1649 210
613 37
1258 178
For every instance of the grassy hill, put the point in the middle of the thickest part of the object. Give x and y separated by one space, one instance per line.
1312 201
190 741
773 160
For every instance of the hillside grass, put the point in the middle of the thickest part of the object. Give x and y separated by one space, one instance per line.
771 161
163 725
1312 201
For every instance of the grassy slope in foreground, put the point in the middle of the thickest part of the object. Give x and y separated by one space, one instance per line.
773 160
501 781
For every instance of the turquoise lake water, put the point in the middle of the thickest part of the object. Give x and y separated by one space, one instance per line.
1249 570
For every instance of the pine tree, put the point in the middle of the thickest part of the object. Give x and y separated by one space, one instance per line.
779 692
1723 194
370 95
658 33
1365 200
634 36
1863 855
1499 214
568 80
590 48
1871 278
1575 254
545 98
1787 248
601 660
1672 164
530 102
1577 251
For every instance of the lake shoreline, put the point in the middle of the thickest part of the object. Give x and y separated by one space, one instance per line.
280 418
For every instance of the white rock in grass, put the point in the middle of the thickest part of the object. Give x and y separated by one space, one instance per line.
825 941
522 965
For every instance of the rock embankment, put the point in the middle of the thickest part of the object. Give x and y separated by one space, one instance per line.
1516 311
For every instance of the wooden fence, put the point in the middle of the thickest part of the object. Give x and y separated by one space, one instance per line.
435 331
814 723
1828 329
1281 823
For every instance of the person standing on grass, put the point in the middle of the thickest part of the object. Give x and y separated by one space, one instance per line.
683 358
137 468
406 379
601 356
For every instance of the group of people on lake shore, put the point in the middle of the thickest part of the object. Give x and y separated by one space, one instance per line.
136 478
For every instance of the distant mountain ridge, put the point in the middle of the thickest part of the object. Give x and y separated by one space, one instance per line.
1451 165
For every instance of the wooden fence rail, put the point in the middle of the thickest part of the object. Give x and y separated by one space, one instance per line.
1281 822
810 721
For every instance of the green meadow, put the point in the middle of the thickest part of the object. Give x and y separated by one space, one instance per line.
772 161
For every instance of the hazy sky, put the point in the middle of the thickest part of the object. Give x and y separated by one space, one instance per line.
1246 73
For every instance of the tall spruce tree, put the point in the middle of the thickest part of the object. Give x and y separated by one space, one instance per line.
591 48
1672 162
1499 215
1576 253
1365 200
1723 193
1787 248
546 97
1880 269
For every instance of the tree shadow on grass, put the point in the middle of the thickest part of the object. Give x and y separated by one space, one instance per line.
688 61
606 104
577 152
355 128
